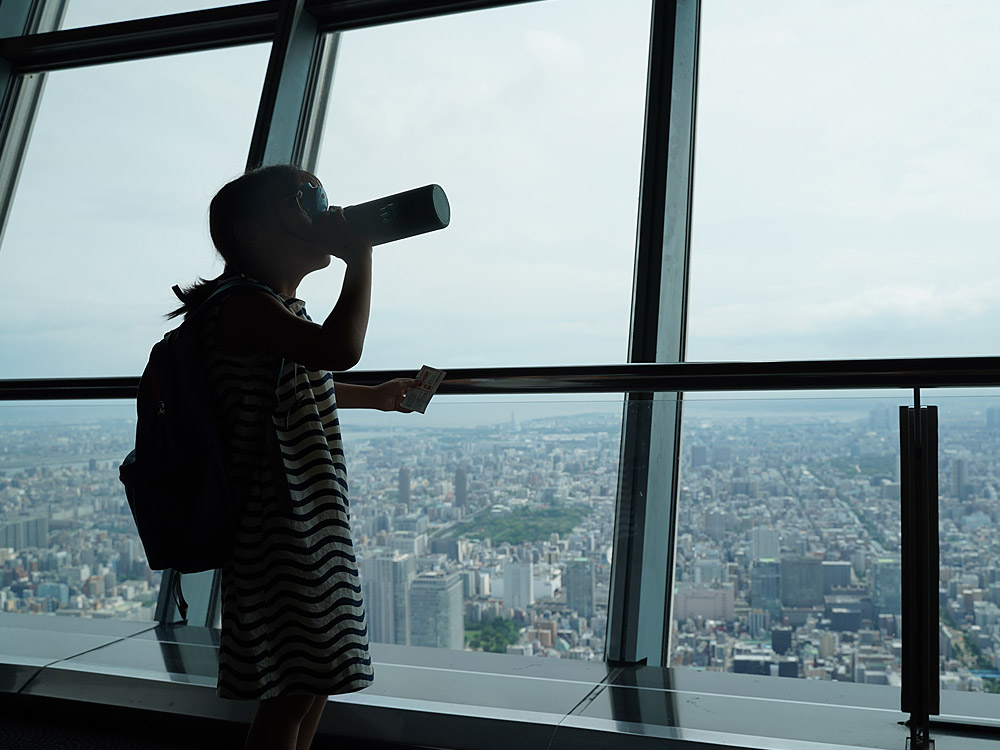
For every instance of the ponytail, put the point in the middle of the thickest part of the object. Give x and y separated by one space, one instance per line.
194 295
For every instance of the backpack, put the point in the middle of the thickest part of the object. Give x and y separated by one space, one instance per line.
184 507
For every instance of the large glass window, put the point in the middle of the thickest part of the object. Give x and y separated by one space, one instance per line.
530 117
845 180
788 538
112 207
968 508
487 524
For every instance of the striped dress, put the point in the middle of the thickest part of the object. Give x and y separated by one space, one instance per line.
293 620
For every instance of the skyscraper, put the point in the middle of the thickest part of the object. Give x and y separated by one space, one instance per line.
765 586
461 487
801 581
387 580
888 586
836 573
518 585
436 611
580 586
960 478
764 543
404 485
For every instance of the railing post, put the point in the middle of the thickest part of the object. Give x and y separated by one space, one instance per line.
920 695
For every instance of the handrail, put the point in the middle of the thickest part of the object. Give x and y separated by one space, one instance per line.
842 374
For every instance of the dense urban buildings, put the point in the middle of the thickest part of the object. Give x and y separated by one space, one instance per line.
499 537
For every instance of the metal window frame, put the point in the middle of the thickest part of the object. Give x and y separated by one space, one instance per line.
20 95
645 524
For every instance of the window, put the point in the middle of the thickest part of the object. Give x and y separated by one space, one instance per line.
530 117
487 524
968 447
112 207
788 538
68 545
844 181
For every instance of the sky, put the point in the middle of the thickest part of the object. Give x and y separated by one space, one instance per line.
846 174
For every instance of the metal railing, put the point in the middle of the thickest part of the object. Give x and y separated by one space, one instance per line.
841 374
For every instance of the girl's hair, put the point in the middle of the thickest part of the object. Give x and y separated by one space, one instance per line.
244 199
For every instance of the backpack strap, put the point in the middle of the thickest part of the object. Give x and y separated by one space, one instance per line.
270 436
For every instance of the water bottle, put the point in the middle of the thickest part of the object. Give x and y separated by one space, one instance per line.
387 219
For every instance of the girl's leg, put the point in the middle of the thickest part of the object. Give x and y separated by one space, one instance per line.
276 723
309 725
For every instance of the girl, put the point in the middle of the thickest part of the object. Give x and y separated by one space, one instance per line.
293 621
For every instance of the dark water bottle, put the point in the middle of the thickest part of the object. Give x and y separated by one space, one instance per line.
396 217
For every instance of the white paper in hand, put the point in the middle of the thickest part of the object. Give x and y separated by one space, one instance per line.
419 395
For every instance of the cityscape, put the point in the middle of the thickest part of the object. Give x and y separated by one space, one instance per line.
499 537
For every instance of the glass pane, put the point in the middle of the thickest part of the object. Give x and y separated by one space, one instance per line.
530 117
487 524
969 587
839 209
788 538
113 211
93 12
68 545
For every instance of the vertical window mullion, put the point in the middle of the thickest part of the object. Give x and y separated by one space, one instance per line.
293 98
639 614
20 94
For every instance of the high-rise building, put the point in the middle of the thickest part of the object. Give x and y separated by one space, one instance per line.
57 591
960 478
580 586
715 524
436 611
699 455
836 573
387 579
404 485
461 487
993 418
22 530
765 586
887 584
518 585
764 543
781 640
801 582
710 603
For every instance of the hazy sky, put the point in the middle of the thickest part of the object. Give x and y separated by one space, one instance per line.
845 182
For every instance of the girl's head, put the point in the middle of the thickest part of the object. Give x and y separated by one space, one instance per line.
250 205
256 224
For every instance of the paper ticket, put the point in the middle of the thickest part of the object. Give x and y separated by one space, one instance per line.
419 395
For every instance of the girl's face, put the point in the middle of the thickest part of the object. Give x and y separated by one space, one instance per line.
294 235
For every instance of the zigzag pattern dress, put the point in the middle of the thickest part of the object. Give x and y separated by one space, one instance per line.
293 620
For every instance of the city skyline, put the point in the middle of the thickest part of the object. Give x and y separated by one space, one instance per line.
787 538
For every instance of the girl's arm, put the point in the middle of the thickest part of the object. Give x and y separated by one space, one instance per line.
387 396
252 321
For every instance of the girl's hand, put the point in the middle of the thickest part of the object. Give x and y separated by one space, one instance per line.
388 396
338 238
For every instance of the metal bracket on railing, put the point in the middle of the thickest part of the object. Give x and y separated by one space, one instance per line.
918 446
